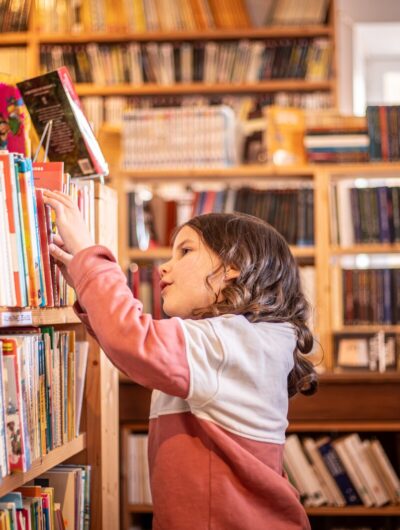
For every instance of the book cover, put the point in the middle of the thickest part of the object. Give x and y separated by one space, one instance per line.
52 96
13 121
13 398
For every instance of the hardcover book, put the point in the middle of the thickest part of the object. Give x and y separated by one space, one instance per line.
52 97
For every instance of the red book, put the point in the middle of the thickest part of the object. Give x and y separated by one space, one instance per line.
383 123
44 248
48 175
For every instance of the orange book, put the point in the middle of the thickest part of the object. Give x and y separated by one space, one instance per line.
11 194
48 175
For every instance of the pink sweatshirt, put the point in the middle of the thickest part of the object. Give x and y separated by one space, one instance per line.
219 406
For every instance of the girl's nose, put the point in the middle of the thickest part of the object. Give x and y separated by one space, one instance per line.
164 268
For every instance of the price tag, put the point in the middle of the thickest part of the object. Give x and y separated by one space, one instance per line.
16 318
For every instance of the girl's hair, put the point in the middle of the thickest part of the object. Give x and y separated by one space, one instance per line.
268 286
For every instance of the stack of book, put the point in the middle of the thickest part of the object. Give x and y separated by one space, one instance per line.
341 471
301 12
56 500
154 216
137 470
181 137
335 139
363 214
15 16
375 352
42 374
383 130
141 15
28 276
168 63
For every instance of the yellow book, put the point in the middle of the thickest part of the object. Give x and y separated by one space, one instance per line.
139 16
285 135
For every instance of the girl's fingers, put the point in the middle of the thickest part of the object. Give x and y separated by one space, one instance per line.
54 203
58 196
59 254
57 240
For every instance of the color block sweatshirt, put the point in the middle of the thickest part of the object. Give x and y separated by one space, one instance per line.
219 404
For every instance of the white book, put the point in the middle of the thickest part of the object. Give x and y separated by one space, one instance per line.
370 478
316 458
304 472
388 473
348 460
9 298
345 214
81 357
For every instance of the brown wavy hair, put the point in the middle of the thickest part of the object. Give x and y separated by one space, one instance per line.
268 286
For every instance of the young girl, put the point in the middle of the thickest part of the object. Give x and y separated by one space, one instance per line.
222 367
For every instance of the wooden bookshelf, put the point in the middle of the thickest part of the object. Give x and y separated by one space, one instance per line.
53 458
98 446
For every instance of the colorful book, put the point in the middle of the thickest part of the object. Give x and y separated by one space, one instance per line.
13 121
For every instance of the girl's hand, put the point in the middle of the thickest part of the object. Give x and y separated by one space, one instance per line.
75 235
61 258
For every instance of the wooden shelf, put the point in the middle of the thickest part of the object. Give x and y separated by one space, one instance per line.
344 426
368 328
233 172
55 457
164 253
359 377
370 248
140 508
21 37
152 89
207 34
37 317
354 511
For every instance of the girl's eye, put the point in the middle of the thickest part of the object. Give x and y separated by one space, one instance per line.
185 250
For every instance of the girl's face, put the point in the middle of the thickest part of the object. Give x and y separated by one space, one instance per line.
183 277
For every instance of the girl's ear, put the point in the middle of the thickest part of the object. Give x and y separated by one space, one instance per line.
231 273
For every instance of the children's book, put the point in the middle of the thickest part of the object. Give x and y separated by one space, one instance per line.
13 120
285 135
52 97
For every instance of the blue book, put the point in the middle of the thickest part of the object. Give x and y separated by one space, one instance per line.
338 471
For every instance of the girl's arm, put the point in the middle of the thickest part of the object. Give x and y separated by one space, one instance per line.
151 352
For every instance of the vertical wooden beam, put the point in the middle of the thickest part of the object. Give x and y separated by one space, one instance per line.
322 265
102 394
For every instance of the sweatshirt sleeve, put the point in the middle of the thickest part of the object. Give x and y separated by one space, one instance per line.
151 352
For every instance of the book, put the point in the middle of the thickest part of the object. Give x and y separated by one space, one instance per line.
284 137
13 121
52 96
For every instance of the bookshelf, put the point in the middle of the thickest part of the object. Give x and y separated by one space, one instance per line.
34 38
98 445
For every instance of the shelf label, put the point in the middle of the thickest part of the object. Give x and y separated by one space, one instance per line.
16 318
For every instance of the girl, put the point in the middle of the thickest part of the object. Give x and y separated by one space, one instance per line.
222 367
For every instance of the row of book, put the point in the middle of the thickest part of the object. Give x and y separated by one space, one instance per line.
14 17
337 145
153 216
141 15
383 129
56 500
371 296
137 472
169 63
144 282
375 352
179 137
42 376
28 275
341 471
365 214
298 12
109 110
14 62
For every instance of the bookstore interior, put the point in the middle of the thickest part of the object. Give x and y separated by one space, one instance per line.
148 113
